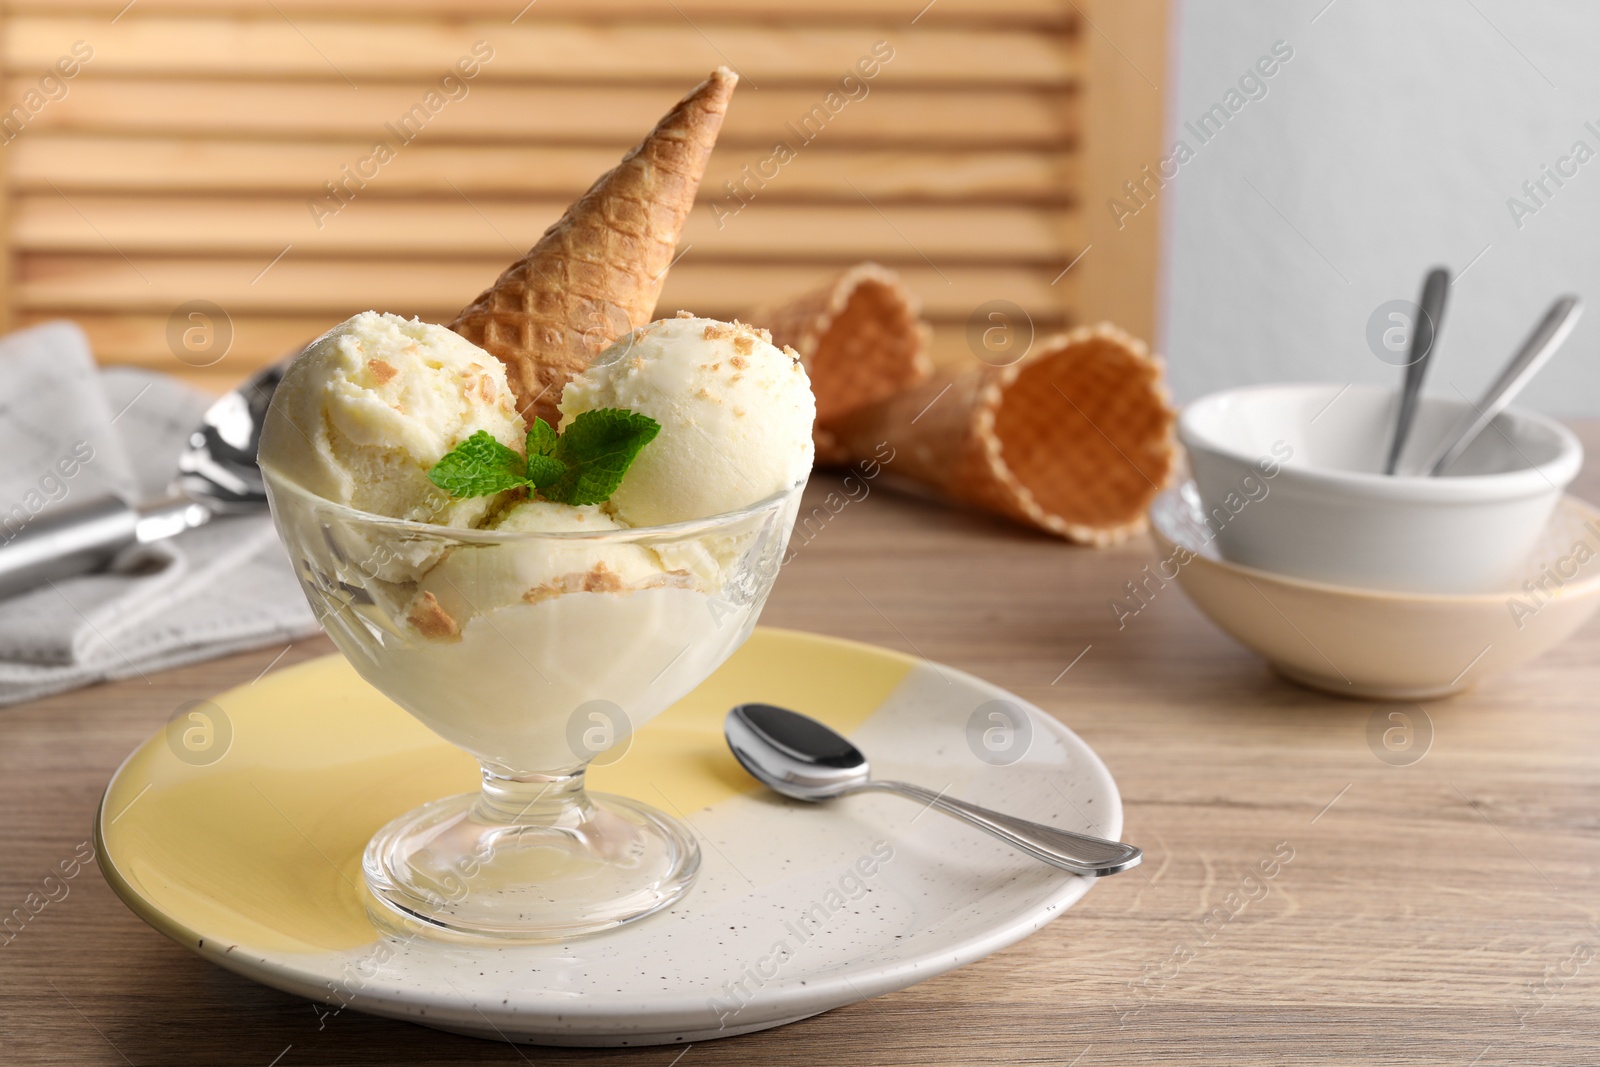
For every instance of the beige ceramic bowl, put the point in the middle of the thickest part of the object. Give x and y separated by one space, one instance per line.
1383 645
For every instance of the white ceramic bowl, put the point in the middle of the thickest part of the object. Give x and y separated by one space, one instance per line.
1289 479
1390 646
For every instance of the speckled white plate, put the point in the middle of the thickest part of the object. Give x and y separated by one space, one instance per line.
248 851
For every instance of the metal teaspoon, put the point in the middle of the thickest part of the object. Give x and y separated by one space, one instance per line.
799 757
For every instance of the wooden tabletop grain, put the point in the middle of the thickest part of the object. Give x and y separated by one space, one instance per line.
1438 913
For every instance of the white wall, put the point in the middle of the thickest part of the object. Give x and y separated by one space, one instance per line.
1391 141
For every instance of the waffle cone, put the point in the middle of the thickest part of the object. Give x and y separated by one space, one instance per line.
596 274
1075 440
862 339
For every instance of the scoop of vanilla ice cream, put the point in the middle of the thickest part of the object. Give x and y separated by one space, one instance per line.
478 579
735 415
365 412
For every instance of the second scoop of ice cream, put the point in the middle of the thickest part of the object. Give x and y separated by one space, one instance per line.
735 414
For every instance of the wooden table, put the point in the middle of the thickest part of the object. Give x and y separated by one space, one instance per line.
1440 913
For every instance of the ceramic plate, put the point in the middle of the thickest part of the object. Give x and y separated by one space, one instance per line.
1369 643
249 851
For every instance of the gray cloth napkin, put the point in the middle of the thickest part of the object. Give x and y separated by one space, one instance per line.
69 433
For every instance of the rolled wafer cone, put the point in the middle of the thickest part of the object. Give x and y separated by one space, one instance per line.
1076 440
862 339
596 274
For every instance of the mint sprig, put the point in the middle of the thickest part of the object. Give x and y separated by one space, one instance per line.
596 450
584 465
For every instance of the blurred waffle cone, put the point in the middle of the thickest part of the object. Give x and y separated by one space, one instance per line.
596 274
862 339
1075 440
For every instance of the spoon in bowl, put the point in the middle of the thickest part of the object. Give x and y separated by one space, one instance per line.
1540 345
1424 334
799 757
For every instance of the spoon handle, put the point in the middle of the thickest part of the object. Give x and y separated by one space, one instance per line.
65 542
83 538
1424 337
1078 853
1539 347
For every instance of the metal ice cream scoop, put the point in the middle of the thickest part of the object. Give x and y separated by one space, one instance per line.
801 758
217 475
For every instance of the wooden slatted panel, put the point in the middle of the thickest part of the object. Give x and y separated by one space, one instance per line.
505 112
86 283
141 340
1034 13
534 50
440 228
142 165
189 159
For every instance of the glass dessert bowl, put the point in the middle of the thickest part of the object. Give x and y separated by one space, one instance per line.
536 651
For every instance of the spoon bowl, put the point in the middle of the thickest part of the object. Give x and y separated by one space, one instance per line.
794 754
218 468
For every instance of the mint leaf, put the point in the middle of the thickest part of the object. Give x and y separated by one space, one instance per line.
542 470
597 448
582 466
541 438
479 466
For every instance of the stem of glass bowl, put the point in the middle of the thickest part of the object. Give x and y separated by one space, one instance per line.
528 858
541 799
